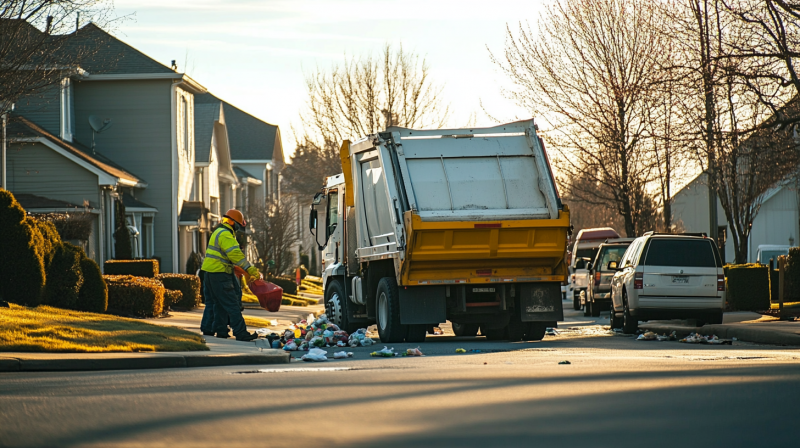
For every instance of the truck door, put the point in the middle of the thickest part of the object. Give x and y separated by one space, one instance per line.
331 253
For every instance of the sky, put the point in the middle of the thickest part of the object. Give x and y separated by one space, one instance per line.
256 54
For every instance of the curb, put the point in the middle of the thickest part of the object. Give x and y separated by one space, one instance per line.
22 364
723 331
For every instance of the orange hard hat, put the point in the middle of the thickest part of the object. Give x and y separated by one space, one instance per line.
237 216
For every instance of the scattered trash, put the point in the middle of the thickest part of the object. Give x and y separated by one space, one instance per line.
647 336
264 332
484 363
695 338
360 338
384 353
273 322
276 343
315 354
414 352
437 331
315 332
474 350
342 355
564 362
550 331
460 350
651 336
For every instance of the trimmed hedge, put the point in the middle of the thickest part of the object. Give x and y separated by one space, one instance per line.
774 287
792 276
137 268
188 285
140 296
287 283
748 287
64 278
93 296
171 297
22 273
49 240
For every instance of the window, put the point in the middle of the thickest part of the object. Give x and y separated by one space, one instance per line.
611 253
584 253
332 215
686 253
185 115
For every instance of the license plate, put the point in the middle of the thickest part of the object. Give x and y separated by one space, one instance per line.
482 289
680 279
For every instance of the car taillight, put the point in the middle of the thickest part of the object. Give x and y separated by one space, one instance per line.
597 279
721 282
638 280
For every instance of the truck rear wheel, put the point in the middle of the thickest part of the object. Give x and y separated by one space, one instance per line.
388 312
494 334
536 331
465 329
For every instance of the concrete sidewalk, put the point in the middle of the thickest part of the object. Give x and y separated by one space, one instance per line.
222 352
744 326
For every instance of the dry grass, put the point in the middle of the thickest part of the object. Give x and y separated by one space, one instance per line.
47 329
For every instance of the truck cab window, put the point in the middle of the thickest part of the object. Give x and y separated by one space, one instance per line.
332 213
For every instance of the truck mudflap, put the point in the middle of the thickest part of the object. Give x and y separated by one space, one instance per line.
422 305
541 302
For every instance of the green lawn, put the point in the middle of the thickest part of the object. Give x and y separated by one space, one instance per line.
47 329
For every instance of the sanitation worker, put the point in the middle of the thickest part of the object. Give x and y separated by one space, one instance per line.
221 289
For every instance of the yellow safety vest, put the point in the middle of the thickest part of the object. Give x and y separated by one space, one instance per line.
223 253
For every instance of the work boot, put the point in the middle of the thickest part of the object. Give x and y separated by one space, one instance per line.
247 337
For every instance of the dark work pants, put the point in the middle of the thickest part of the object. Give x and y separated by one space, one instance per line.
224 295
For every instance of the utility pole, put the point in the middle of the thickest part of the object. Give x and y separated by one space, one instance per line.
3 182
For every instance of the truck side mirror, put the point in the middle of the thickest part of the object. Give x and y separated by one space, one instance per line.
312 219
612 265
318 198
589 265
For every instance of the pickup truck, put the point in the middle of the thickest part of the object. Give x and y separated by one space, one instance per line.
425 226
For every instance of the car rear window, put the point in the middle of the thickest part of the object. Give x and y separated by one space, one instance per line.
584 253
611 253
688 253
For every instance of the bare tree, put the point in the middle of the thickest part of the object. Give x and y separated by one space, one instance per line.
37 48
275 233
589 73
310 165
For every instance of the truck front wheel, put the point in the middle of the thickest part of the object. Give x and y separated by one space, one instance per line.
388 312
337 306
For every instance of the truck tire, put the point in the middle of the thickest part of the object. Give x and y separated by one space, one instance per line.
536 331
629 324
465 329
516 329
337 306
388 312
494 334
416 333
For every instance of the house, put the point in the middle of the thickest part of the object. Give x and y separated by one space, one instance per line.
776 223
49 174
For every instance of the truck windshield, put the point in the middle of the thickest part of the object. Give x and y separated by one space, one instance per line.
685 253
611 253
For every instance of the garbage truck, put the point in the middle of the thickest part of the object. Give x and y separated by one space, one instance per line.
425 226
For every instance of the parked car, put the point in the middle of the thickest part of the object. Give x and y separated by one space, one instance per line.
768 252
597 297
664 276
583 252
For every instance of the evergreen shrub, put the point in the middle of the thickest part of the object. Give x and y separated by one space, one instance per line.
748 287
93 295
139 296
22 273
188 285
138 268
64 277
792 276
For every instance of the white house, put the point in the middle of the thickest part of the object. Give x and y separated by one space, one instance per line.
777 221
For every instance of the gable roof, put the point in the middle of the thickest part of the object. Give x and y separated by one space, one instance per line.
249 137
21 129
109 55
31 202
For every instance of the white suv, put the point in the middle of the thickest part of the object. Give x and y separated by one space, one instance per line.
664 276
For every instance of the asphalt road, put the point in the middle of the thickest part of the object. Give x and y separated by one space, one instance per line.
617 392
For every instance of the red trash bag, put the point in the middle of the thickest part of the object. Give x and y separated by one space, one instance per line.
269 295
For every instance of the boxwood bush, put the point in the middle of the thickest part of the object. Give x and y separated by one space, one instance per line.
139 296
22 273
188 285
287 283
171 297
93 295
138 268
64 277
748 287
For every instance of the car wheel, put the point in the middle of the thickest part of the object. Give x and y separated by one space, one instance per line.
595 309
576 302
616 321
337 306
716 319
465 329
587 309
629 324
388 312
495 334
536 331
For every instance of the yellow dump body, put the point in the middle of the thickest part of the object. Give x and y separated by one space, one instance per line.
453 252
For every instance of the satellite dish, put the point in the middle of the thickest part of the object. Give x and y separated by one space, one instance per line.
99 125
